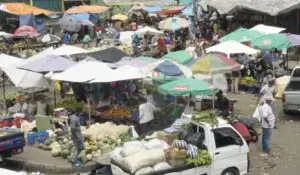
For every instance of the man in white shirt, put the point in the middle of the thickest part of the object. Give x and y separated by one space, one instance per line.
267 118
146 115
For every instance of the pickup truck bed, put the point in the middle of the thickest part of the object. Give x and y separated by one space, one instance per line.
11 142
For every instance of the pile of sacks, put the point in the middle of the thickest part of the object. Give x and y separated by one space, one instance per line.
140 157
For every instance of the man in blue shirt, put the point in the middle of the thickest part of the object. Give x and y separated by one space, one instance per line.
66 38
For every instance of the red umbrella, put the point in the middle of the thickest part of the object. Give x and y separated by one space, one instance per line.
26 31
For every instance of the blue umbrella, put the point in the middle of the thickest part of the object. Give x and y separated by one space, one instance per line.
169 69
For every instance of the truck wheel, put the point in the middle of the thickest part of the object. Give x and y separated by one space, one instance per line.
286 112
231 171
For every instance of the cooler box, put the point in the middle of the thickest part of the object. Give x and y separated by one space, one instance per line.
37 137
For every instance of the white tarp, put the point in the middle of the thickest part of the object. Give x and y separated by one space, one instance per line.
44 53
232 47
148 30
25 79
125 37
84 71
267 29
67 50
7 60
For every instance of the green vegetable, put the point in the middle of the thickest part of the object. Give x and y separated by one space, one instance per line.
45 147
48 142
69 158
40 146
56 151
209 117
81 155
203 158
65 153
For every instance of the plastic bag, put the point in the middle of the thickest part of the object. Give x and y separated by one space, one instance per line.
196 139
131 149
184 134
153 144
145 170
161 166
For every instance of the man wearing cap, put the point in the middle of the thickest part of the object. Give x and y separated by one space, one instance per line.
267 118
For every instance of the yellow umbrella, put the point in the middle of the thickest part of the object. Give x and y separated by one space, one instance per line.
120 17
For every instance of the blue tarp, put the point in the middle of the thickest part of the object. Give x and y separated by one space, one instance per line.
169 69
153 9
86 16
33 21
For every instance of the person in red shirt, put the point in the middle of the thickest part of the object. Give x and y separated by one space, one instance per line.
161 44
240 127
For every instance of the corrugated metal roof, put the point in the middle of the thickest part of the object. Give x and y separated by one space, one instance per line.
271 7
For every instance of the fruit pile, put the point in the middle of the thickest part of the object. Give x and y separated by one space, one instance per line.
249 81
118 111
203 158
208 116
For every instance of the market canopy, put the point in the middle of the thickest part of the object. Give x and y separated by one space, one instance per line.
26 31
51 63
267 29
85 71
170 11
49 38
232 47
242 35
133 62
152 9
271 42
168 68
7 60
187 87
23 9
68 23
23 78
110 55
181 57
214 63
67 50
293 38
87 9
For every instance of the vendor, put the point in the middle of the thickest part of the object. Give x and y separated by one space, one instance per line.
146 115
76 135
222 102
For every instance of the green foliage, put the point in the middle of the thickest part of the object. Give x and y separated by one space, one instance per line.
203 158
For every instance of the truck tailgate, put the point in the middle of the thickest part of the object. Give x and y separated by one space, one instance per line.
292 97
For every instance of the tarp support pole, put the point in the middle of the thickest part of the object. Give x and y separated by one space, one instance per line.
3 88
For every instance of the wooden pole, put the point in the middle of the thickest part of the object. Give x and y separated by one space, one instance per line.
31 2
3 88
62 5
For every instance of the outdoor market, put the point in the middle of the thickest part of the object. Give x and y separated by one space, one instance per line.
153 89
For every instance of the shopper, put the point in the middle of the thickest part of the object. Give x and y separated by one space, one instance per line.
222 103
76 136
146 115
86 40
66 38
98 37
267 118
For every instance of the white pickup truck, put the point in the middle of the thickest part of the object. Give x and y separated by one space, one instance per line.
291 93
230 153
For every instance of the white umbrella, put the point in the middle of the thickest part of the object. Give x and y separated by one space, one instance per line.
267 29
148 30
85 71
232 47
67 50
46 52
5 34
7 60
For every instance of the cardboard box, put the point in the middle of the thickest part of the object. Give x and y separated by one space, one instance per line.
166 137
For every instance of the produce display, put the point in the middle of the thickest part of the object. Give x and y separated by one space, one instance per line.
118 111
249 81
73 104
203 158
98 139
208 116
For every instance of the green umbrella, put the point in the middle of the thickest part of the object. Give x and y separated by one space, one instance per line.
186 87
181 57
242 35
271 42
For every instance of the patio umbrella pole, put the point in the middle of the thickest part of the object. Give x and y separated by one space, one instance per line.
213 99
3 88
54 94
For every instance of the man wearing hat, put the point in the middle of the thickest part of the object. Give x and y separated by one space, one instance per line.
268 90
267 118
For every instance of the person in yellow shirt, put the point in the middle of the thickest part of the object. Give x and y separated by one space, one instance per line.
215 27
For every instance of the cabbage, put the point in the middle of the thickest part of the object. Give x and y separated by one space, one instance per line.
56 151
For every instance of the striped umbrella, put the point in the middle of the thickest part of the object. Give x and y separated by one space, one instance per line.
215 63
173 23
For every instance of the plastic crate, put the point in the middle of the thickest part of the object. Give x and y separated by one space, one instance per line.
37 137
